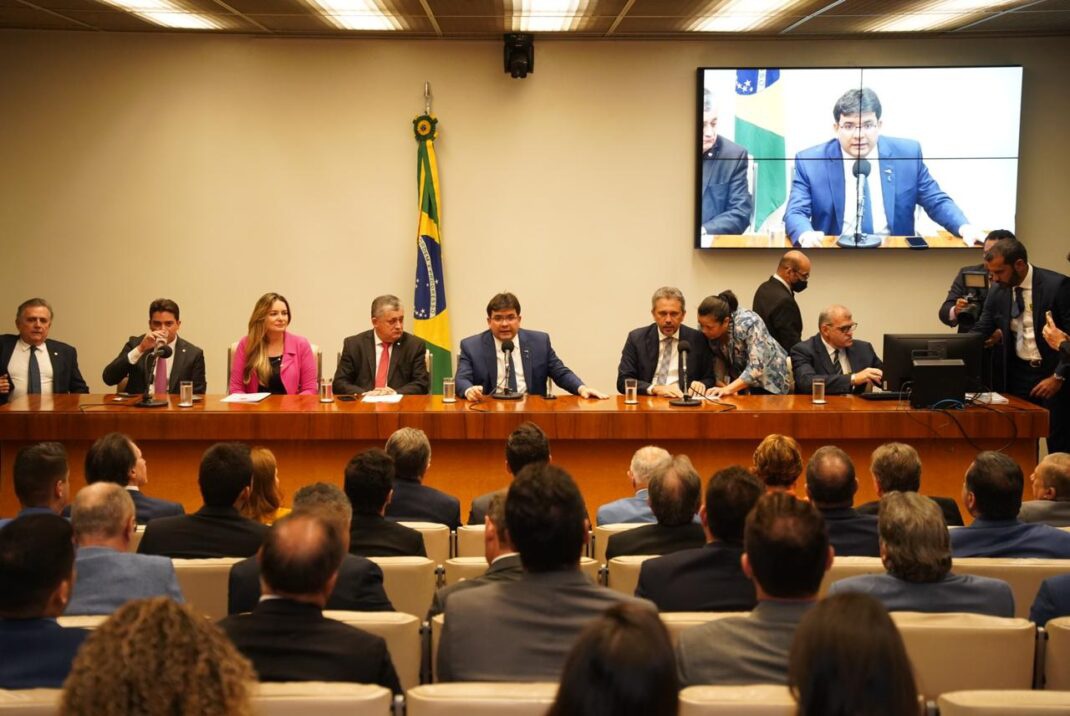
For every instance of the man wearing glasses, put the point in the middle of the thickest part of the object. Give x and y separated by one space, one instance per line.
892 177
846 365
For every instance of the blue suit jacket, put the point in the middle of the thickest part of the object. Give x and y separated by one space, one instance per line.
627 509
45 651
953 593
414 501
149 508
1009 538
106 579
478 364
851 533
1053 600
66 378
817 194
726 201
810 360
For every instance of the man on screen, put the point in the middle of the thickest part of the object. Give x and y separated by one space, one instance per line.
727 204
824 190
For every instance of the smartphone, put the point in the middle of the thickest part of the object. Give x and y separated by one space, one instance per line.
917 242
345 398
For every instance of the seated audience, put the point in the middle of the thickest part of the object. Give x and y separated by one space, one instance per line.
412 500
107 574
916 551
36 574
369 485
270 359
708 578
785 553
265 497
896 467
218 528
360 581
992 493
831 485
116 458
502 557
534 621
675 490
286 636
154 656
525 446
1051 492
41 479
645 462
849 659
1052 600
778 463
622 665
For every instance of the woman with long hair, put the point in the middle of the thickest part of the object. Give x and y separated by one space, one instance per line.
746 356
265 499
270 358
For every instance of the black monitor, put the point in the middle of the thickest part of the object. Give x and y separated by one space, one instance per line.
900 350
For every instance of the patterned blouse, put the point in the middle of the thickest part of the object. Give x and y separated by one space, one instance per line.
753 355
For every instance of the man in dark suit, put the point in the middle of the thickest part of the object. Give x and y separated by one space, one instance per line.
1050 484
845 364
116 458
360 581
286 637
410 450
896 467
708 578
727 204
831 485
1053 600
36 571
369 485
218 528
482 365
186 361
651 354
385 359
525 446
42 480
775 302
31 363
675 490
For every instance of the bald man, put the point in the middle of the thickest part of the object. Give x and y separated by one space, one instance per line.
847 365
775 302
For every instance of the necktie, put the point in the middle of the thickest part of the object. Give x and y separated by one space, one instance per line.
161 375
836 361
384 366
1018 306
512 373
662 376
34 382
867 208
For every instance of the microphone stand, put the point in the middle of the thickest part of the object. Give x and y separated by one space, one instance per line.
148 399
504 393
688 401
859 240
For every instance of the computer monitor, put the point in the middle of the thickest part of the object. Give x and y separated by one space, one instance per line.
900 350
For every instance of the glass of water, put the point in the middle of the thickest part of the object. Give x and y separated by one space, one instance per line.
326 391
449 390
818 391
185 394
631 391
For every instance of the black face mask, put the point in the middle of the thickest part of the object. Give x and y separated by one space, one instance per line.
799 286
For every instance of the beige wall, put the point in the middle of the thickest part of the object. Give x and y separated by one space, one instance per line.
211 169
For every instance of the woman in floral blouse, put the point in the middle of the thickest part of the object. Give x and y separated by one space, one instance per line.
746 356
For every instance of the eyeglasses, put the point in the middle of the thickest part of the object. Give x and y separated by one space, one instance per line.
852 127
848 329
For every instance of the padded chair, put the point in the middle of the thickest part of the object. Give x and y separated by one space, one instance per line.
1004 703
315 351
1057 655
602 534
436 540
83 621
956 652
481 699
750 700
135 540
470 541
624 572
30 702
437 622
292 698
676 622
1024 575
409 583
843 567
401 632
205 584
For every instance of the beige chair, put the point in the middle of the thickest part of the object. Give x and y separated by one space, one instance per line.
460 568
436 540
624 572
289 698
409 583
205 584
401 632
437 622
676 622
470 541
1024 575
83 621
1004 703
956 652
30 702
843 567
135 540
1057 655
315 351
751 700
602 534
480 699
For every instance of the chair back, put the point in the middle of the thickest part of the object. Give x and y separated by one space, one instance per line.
602 534
677 622
1024 575
30 702
436 539
135 539
409 583
470 540
292 698
1004 703
750 700
205 583
1057 655
83 621
460 568
481 699
402 635
624 572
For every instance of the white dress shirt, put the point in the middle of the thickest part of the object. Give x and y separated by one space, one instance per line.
1025 335
518 365
18 369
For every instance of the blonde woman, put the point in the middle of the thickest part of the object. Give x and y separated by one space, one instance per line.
265 499
778 463
270 359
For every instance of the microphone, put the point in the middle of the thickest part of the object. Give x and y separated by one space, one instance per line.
507 346
860 170
683 348
163 351
505 393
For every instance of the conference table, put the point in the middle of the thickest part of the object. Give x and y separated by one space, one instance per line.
592 439
777 240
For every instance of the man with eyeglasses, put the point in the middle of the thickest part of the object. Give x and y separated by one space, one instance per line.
775 302
824 189
845 364
385 359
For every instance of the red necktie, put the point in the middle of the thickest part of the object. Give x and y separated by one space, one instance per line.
161 375
384 367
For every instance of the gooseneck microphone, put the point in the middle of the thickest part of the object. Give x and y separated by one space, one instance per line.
504 392
688 401
859 240
162 350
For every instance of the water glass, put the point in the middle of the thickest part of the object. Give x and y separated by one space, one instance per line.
326 391
449 390
631 391
818 391
185 394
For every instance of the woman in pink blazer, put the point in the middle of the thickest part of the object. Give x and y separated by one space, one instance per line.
269 359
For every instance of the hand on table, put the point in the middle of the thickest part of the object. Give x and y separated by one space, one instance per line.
591 393
474 394
668 391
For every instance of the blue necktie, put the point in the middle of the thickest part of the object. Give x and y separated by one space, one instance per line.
867 208
512 373
1018 304
34 377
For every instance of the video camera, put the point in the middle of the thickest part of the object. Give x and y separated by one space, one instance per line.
976 293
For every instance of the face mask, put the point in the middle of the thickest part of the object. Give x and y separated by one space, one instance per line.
799 286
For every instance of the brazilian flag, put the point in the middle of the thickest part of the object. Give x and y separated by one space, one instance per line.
760 128
432 322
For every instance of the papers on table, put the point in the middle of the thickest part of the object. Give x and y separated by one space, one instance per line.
987 398
244 397
391 398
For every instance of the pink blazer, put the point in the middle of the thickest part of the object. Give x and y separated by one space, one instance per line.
298 370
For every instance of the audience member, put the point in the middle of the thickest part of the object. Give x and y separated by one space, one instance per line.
41 477
831 485
412 500
218 528
1051 492
708 578
369 485
1052 600
107 574
785 553
992 493
36 574
896 467
116 458
675 491
535 620
916 551
525 446
778 462
265 496
645 462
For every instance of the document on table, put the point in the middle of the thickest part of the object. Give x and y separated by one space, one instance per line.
244 397
987 398
390 398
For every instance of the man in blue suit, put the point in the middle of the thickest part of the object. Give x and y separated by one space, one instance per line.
824 191
32 363
481 367
116 458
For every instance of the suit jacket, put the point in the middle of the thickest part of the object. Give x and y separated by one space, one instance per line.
810 360
655 539
291 641
149 508
478 364
1053 600
775 303
356 370
953 593
1009 538
66 378
1050 512
627 509
375 536
506 568
417 502
851 534
31 511
704 579
298 371
531 641
727 204
208 532
187 363
750 649
106 579
950 508
642 351
816 201
477 513
359 587
44 652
